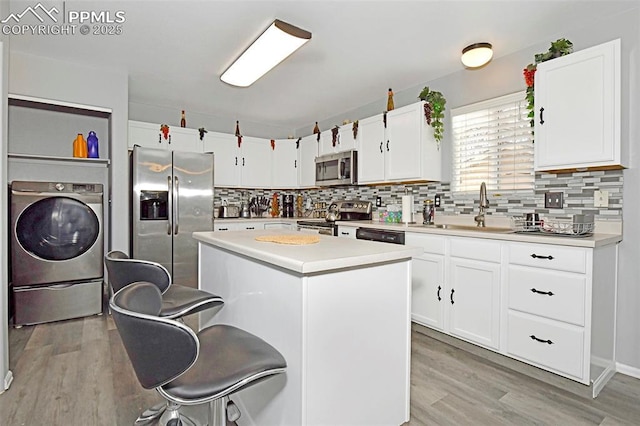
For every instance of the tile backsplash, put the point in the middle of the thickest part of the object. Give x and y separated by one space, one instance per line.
577 189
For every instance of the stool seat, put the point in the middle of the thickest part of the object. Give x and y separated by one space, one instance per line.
234 359
184 367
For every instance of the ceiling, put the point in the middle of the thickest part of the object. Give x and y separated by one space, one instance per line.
175 51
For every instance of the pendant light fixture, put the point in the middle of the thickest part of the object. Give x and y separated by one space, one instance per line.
476 55
274 45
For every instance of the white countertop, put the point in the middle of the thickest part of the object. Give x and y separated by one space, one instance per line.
259 219
330 253
504 234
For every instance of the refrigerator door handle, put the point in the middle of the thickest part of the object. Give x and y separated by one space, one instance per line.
176 202
170 209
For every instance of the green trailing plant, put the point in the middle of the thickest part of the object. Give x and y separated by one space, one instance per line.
434 111
560 47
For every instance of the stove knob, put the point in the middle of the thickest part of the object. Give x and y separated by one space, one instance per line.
59 187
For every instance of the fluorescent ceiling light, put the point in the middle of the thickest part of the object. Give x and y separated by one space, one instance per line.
273 46
476 55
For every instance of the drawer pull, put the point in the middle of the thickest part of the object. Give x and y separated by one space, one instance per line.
451 296
548 342
537 256
439 298
548 293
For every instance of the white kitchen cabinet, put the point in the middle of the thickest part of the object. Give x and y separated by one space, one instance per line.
246 167
344 140
473 291
347 232
307 153
427 280
221 225
225 153
149 135
577 106
285 164
406 149
561 310
371 156
256 163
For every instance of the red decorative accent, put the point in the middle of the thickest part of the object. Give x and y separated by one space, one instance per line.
165 130
273 144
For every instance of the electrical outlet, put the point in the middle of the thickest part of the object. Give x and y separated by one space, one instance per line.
553 200
437 201
600 198
378 201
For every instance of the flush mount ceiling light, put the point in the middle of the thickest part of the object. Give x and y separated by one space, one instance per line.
273 46
476 55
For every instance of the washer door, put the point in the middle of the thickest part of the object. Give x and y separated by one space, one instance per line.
57 228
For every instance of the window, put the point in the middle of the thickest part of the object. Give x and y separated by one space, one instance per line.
493 143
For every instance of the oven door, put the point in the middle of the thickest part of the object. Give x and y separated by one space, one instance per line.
310 229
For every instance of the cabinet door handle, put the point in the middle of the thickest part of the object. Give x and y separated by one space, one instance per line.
223 229
387 146
242 161
236 161
248 228
451 296
159 137
548 342
541 119
548 293
537 256
169 139
381 148
295 164
439 298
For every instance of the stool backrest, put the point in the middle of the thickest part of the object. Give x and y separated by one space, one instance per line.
159 349
124 271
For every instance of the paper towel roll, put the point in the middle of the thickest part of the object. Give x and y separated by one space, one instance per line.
407 208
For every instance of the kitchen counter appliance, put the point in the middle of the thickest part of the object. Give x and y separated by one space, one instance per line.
172 197
337 169
342 210
381 235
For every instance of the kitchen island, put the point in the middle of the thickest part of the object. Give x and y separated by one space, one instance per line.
339 312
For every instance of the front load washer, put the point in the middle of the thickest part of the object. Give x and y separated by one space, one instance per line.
56 250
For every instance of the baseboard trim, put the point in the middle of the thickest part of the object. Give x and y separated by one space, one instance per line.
628 370
7 381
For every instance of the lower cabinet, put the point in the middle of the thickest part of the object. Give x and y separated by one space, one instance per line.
347 231
548 305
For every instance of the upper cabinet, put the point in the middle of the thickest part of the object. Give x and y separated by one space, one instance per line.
247 166
577 105
338 139
285 164
405 151
150 135
307 153
371 153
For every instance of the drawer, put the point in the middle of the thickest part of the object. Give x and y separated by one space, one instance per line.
551 294
560 346
561 258
476 248
430 243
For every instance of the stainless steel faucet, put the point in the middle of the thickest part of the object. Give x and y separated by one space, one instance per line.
484 203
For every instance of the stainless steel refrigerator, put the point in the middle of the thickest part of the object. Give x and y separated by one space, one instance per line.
172 197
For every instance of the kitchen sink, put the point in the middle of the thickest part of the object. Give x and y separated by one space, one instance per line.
471 228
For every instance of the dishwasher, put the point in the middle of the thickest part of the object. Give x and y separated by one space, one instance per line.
381 235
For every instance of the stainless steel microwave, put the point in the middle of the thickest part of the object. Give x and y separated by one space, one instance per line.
337 169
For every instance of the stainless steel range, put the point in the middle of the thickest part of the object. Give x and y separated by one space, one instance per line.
342 210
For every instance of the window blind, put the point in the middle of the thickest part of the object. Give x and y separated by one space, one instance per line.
493 143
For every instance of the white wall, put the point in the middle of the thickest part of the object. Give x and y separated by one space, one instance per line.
503 76
63 81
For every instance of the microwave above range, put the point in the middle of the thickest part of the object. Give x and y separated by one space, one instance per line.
337 169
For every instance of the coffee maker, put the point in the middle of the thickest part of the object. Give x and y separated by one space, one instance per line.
287 205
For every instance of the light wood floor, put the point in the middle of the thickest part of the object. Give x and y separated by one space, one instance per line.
76 373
